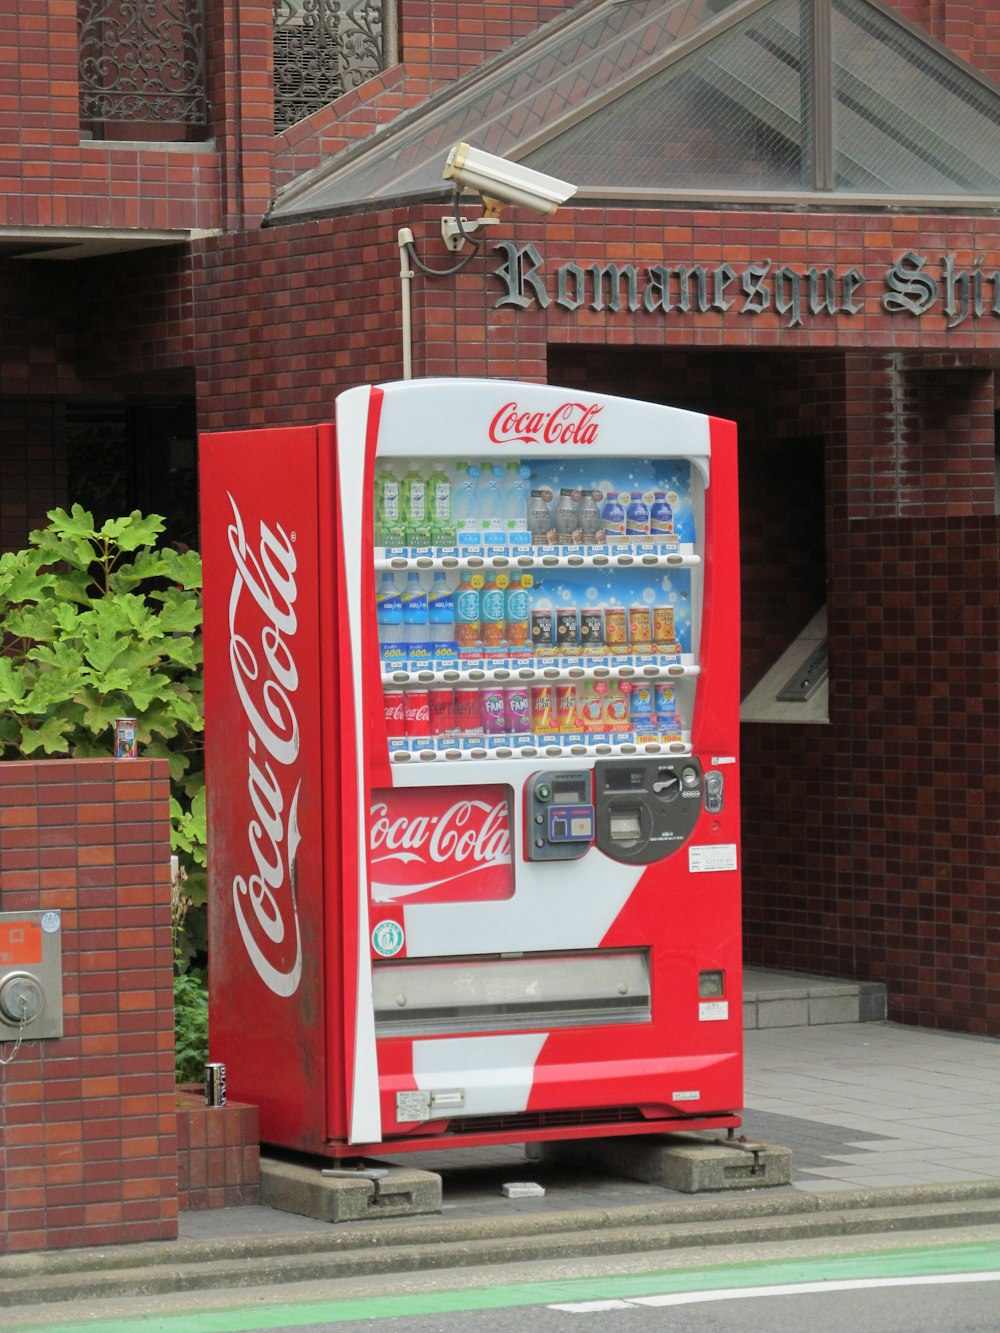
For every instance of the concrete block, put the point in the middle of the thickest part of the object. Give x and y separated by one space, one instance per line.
783 1013
688 1163
749 1015
300 1187
873 1002
834 1008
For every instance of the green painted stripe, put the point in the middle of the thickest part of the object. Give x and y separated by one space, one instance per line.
965 1258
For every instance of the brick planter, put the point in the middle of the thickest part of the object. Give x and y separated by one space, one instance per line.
218 1153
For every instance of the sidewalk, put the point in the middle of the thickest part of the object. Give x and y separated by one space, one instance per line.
889 1127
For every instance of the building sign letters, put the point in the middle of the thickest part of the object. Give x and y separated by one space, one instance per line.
914 285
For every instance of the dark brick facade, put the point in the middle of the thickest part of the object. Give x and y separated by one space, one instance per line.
88 1143
867 440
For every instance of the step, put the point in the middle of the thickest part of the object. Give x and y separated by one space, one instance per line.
773 999
621 1231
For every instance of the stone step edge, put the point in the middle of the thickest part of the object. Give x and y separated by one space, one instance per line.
474 1251
435 1233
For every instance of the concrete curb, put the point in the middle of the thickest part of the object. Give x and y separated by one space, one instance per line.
417 1245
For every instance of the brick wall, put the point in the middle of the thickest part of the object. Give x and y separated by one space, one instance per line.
88 1139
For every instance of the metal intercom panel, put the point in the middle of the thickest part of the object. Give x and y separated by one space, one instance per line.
31 998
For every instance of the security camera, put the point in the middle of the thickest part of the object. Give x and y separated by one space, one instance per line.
501 182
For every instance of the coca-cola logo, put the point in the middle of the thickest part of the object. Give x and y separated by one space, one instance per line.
439 846
262 626
570 423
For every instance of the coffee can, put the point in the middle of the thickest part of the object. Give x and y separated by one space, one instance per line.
395 713
541 631
616 628
567 629
126 746
215 1085
592 629
441 710
640 628
663 626
466 711
417 704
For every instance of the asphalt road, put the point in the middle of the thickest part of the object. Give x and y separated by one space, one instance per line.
952 1286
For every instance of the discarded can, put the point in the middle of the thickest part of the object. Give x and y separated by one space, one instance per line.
215 1085
125 738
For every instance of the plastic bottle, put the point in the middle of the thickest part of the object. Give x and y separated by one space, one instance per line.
465 498
441 617
415 515
415 624
567 515
637 518
439 508
388 506
491 498
590 515
491 615
389 611
517 491
539 518
466 615
516 614
661 516
613 517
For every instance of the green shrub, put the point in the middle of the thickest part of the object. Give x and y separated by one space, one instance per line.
96 624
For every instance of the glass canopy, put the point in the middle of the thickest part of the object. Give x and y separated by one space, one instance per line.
653 98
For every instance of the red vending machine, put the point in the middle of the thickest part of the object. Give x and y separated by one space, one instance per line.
471 666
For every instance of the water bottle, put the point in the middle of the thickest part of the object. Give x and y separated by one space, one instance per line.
465 498
661 516
517 491
441 617
389 613
415 623
491 499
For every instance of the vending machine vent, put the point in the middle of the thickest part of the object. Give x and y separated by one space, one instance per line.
489 994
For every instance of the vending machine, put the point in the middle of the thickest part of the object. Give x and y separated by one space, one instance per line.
471 677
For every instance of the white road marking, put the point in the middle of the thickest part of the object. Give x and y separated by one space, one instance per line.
785 1289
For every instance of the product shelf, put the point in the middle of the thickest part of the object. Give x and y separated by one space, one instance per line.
542 747
633 557
540 670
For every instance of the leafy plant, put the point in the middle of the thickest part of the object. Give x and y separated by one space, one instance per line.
97 624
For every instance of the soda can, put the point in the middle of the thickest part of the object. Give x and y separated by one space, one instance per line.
215 1085
441 710
566 708
417 705
592 629
492 710
542 720
663 626
664 705
615 628
589 708
640 707
466 711
395 713
567 630
126 746
516 710
640 628
541 631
